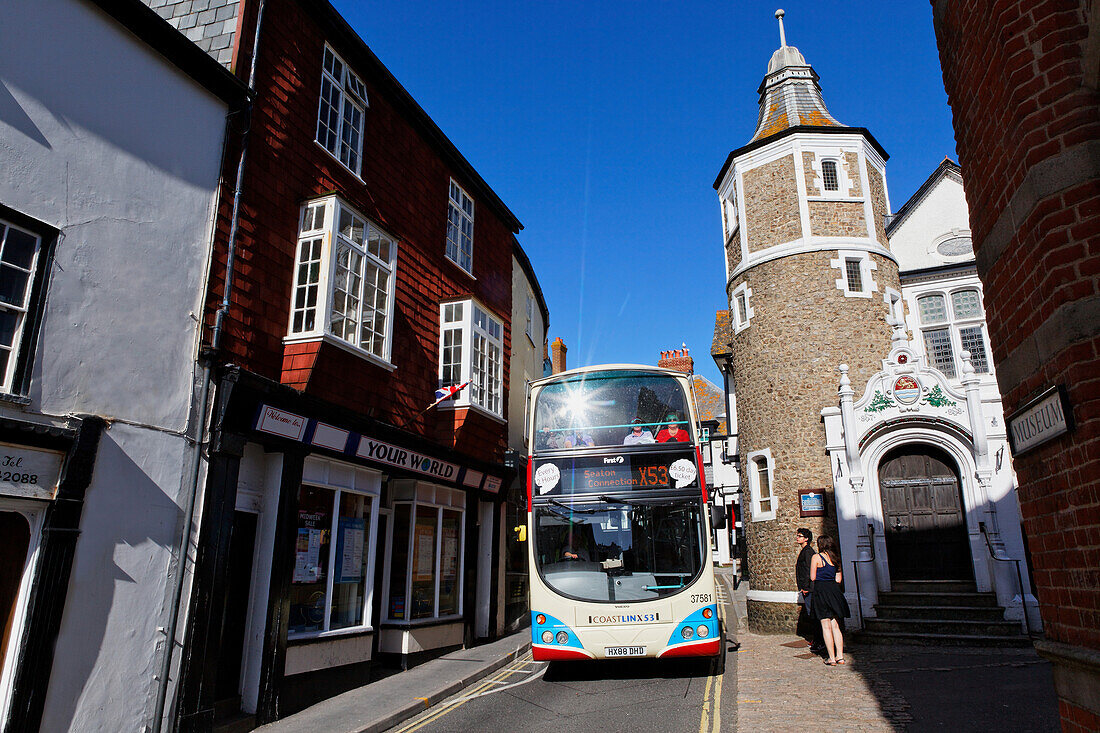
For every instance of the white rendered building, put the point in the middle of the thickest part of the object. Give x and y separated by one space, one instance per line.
111 137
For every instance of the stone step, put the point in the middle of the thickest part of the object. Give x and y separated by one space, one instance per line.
958 613
899 598
917 639
935 586
943 626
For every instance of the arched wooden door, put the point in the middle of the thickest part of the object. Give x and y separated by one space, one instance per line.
923 515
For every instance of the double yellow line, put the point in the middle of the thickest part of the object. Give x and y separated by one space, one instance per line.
468 695
711 720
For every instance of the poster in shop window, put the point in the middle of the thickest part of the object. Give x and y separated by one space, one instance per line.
349 551
307 567
450 552
425 552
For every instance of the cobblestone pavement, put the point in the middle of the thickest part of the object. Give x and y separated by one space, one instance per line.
782 687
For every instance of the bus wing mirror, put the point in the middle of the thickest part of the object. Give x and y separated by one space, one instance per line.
717 517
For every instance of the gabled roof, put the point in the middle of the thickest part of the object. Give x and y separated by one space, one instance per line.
946 168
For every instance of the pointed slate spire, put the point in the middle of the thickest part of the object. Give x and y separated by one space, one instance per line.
790 94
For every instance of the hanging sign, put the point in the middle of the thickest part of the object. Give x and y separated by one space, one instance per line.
29 472
1044 418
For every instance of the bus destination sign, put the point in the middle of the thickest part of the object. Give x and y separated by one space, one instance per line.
596 474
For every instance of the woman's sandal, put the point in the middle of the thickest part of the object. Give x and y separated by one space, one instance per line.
829 664
840 660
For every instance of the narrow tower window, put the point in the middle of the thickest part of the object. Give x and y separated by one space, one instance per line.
855 276
828 175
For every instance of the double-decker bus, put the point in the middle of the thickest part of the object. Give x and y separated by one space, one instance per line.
618 521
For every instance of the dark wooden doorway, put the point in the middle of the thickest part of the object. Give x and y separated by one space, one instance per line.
925 524
15 538
242 546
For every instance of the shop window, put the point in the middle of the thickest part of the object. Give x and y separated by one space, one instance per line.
332 578
425 576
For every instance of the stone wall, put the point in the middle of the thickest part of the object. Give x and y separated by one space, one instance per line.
733 251
837 219
771 204
851 167
785 366
878 202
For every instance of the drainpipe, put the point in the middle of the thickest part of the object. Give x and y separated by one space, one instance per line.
204 395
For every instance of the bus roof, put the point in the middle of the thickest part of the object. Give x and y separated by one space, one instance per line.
608 368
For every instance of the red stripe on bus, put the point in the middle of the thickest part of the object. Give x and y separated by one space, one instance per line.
709 648
558 653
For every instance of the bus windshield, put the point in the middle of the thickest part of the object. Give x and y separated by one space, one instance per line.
619 550
614 407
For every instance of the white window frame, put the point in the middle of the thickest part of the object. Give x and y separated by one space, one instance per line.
752 460
843 181
867 266
739 324
323 227
34 512
22 309
350 101
459 246
421 494
895 305
954 327
342 478
489 401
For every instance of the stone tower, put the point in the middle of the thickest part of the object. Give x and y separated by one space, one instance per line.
811 284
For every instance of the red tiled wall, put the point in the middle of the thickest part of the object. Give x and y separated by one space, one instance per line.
1013 74
404 189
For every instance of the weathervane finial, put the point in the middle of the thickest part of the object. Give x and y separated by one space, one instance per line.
782 36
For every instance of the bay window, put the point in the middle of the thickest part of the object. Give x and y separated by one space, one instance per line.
471 348
332 581
343 286
428 541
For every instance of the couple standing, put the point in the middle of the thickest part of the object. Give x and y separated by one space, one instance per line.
823 603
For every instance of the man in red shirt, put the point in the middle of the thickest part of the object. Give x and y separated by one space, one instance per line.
672 432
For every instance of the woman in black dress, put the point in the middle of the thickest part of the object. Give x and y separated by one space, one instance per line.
829 603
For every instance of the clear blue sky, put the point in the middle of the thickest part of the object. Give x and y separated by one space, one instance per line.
602 126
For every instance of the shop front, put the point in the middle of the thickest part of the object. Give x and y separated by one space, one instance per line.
355 548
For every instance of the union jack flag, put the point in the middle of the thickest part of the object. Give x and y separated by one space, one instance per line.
447 393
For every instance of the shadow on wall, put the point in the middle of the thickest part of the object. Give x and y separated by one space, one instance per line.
107 649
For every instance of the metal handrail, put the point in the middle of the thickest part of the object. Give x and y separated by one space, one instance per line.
1019 577
855 571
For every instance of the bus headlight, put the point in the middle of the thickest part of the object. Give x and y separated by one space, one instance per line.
707 613
547 637
687 632
702 631
540 619
562 637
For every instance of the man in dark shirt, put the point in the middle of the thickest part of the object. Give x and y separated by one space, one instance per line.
809 628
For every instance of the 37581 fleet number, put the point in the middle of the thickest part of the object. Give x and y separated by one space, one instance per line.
701 598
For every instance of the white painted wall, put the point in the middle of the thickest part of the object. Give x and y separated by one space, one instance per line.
941 213
526 360
103 139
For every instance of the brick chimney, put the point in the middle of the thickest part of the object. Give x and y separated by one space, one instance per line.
557 356
677 359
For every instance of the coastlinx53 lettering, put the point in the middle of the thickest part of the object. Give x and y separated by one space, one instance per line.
626 618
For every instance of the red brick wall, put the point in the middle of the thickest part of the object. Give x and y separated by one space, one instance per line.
404 189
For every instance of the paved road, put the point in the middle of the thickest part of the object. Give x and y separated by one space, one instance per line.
583 697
